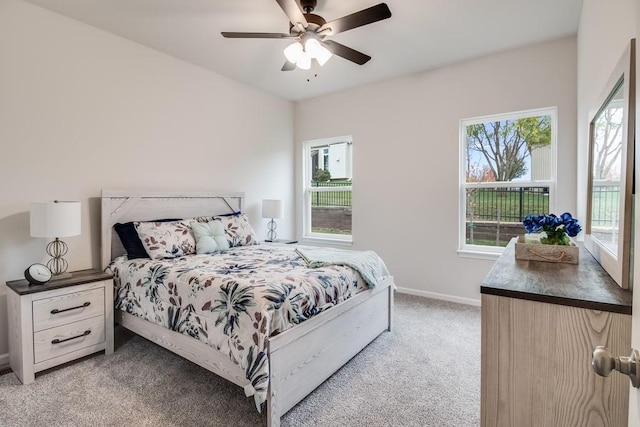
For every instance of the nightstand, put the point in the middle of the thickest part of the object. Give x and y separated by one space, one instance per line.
59 321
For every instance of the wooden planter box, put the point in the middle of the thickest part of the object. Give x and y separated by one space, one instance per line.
547 253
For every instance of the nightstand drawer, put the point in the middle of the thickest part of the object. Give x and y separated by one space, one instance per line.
64 339
67 308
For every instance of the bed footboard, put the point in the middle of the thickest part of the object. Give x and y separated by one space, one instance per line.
302 358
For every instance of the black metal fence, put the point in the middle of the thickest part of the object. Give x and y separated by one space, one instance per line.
605 204
512 204
494 215
507 204
331 198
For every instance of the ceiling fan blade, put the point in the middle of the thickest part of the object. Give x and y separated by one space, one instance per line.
288 66
366 16
346 52
231 35
293 12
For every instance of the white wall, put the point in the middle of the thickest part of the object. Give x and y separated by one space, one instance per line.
405 145
605 31
82 110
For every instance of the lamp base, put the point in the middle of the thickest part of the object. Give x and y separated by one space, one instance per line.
271 234
57 264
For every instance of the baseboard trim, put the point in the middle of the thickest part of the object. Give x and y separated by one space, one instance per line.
444 297
4 359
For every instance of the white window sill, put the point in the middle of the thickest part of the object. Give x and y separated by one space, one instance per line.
326 241
477 254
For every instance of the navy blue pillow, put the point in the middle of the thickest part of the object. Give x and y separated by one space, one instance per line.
130 240
229 214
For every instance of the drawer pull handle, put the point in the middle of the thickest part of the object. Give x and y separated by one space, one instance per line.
84 334
56 311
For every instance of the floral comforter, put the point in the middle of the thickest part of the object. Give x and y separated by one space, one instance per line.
233 301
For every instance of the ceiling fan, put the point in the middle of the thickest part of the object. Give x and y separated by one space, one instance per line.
310 31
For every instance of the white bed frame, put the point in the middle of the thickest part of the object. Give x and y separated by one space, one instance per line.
301 358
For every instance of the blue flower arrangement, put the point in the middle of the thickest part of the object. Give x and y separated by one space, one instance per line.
558 229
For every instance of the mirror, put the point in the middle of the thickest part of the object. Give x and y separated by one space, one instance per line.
611 141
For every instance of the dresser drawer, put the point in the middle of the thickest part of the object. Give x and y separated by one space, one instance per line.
67 308
64 339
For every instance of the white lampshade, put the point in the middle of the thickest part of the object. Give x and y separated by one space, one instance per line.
293 52
317 51
272 209
323 55
312 47
304 61
55 219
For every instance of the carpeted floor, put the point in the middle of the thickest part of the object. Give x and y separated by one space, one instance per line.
426 372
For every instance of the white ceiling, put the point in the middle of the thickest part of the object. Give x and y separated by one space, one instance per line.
420 35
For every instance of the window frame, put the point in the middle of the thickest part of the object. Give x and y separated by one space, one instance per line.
493 252
308 190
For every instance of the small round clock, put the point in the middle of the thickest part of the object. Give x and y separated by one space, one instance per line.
37 274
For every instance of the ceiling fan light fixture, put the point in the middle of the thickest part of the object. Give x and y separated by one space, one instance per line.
316 51
312 47
293 52
304 61
323 55
309 31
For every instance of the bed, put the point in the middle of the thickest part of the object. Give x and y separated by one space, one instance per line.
293 353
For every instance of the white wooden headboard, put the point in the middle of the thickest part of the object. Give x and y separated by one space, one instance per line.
136 205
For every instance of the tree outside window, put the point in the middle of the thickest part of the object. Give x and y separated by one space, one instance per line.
506 173
606 174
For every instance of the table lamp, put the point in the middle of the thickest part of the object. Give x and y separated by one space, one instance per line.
56 219
272 209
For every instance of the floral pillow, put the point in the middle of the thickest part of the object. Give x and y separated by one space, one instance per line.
166 239
130 239
210 237
239 231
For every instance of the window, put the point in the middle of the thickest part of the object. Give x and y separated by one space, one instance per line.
327 184
507 171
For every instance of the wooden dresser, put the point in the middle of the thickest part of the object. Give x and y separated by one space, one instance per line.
540 324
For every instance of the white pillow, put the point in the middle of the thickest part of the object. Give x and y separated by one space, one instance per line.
210 237
166 239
